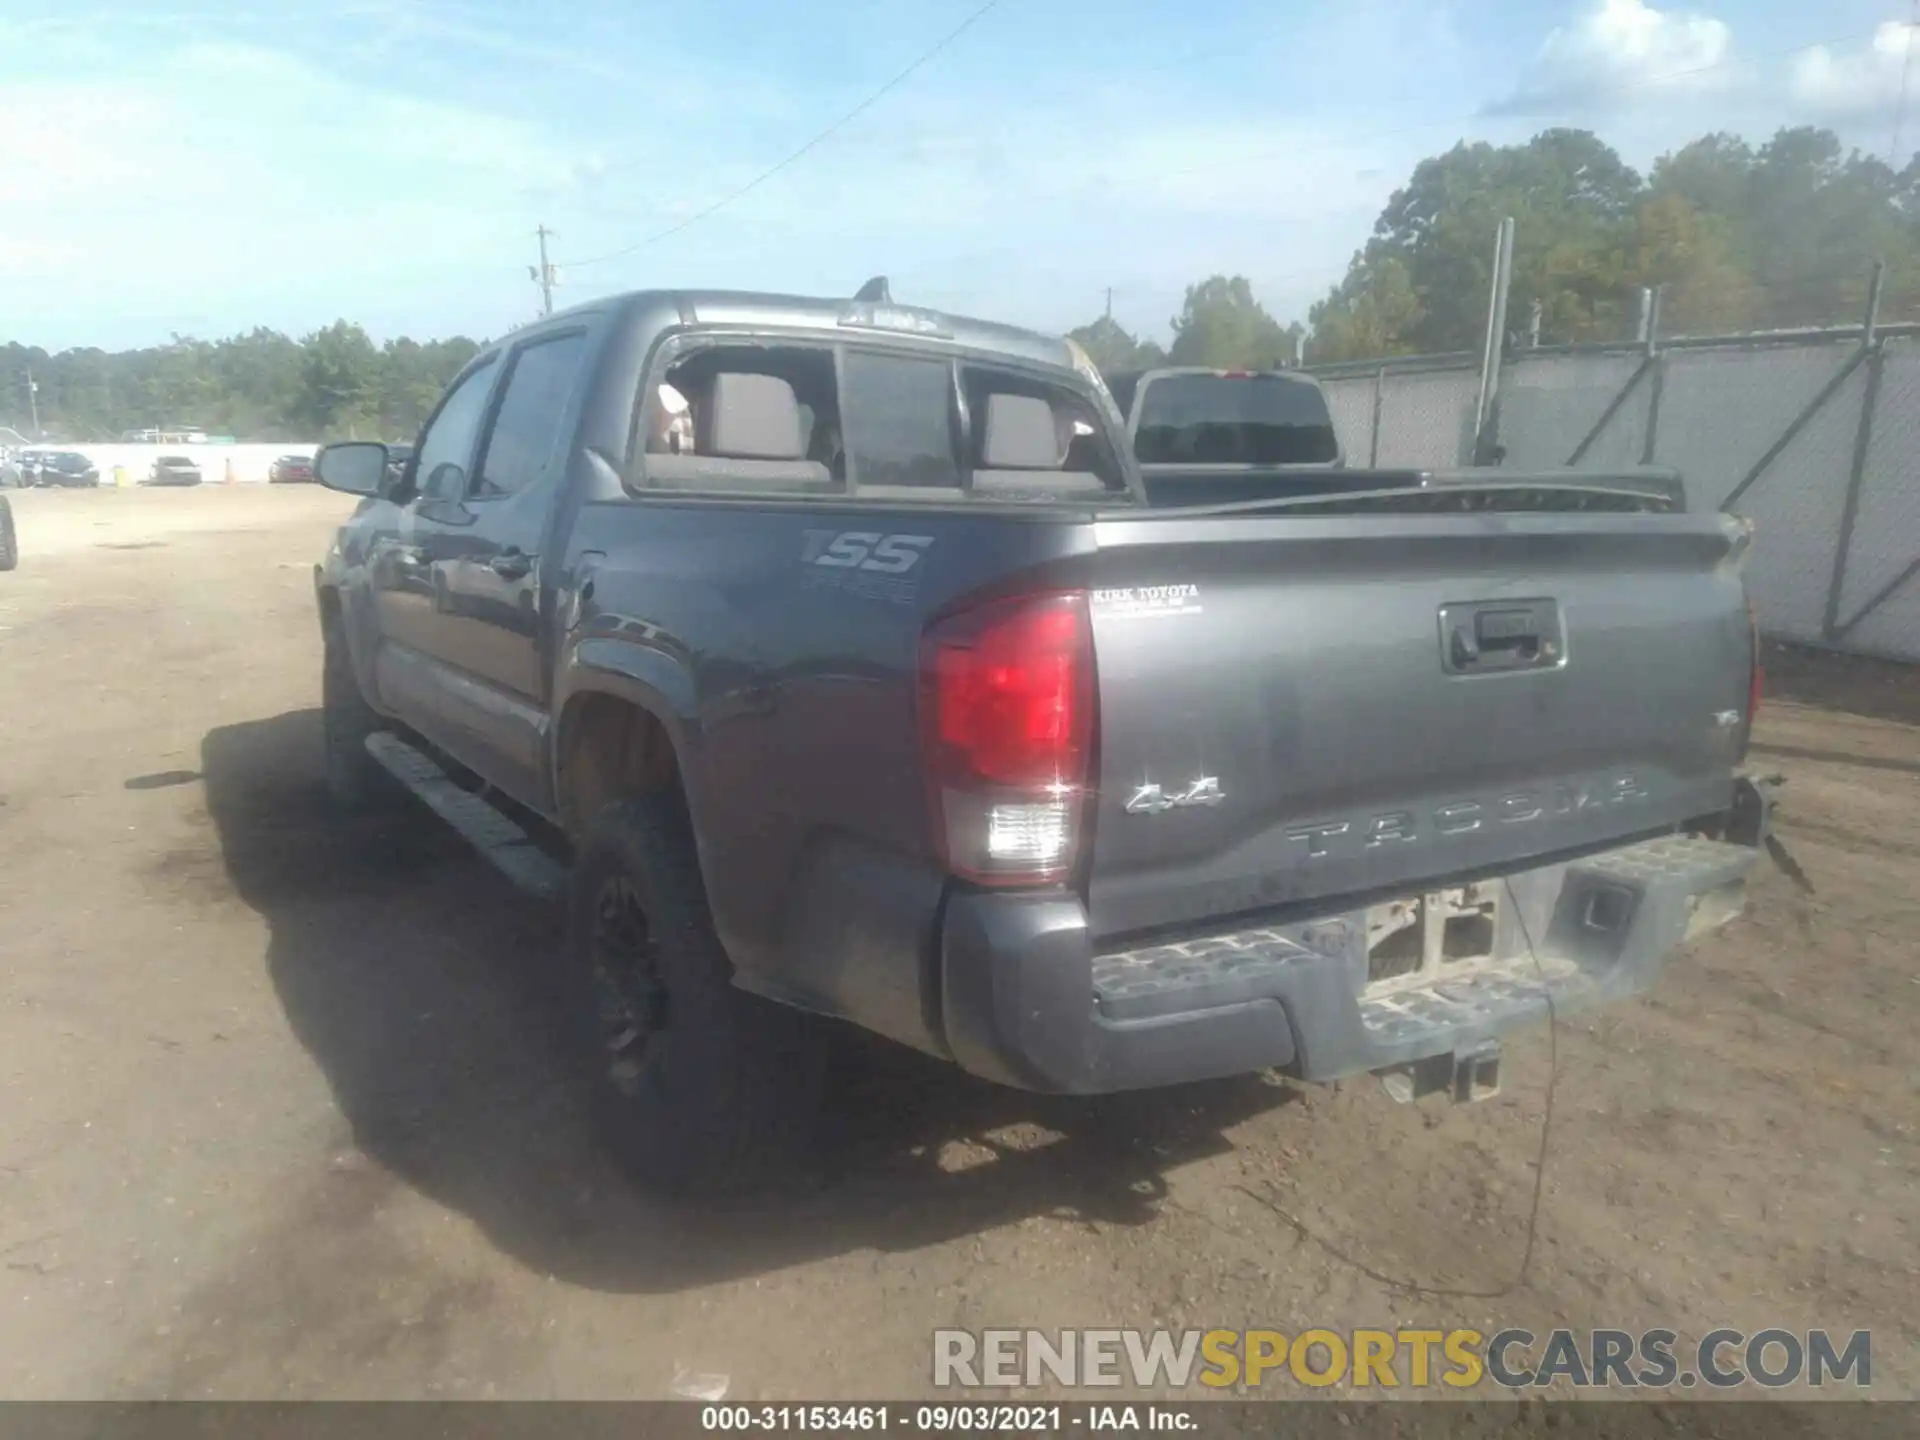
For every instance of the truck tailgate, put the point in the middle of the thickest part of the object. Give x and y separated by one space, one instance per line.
1294 708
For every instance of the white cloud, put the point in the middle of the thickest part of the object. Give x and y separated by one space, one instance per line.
1852 82
1623 46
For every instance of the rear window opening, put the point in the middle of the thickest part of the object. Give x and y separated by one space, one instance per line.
827 419
1254 418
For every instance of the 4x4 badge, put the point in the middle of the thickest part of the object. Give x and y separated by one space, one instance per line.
1153 800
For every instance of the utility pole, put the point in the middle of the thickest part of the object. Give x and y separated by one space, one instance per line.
543 274
1109 310
33 401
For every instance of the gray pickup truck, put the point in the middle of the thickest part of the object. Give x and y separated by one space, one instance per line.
839 653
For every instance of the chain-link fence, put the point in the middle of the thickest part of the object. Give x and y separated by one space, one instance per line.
1814 435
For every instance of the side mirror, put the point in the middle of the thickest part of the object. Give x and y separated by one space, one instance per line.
354 467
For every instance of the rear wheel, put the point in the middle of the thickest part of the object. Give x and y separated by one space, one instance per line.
354 778
698 1087
9 540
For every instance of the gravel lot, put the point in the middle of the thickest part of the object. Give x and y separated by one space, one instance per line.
280 1113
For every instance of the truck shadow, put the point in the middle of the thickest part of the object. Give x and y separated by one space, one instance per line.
415 977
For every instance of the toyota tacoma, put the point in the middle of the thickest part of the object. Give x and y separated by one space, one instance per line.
835 660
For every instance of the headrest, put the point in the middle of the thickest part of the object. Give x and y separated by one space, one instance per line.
753 417
1020 434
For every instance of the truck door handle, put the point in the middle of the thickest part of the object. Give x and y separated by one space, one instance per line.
512 563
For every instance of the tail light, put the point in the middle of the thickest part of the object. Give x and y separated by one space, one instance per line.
1756 679
1007 719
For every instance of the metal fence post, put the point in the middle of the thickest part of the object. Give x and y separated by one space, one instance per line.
1373 437
1493 351
1871 343
1659 382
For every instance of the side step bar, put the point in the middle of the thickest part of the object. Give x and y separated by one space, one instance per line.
501 842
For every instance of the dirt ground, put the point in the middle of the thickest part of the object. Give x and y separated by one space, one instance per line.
281 1115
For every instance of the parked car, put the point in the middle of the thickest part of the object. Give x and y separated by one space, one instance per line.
290 470
173 470
904 699
66 469
9 539
12 477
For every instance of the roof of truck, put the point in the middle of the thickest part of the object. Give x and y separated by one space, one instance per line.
747 307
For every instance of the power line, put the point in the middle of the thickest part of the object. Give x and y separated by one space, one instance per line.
765 175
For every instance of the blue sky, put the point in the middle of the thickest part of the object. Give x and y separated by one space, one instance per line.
207 168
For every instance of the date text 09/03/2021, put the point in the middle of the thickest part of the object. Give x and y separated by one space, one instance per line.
940 1419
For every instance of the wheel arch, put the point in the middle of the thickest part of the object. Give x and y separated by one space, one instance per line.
623 727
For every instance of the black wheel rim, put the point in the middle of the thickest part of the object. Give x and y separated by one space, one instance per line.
630 1003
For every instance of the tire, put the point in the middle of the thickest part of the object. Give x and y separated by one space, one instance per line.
700 1089
355 779
9 538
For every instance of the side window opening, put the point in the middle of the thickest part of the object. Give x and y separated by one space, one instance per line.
746 417
1029 435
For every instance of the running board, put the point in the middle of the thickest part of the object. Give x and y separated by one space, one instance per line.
503 844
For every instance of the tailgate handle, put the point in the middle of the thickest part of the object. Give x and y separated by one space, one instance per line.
1500 636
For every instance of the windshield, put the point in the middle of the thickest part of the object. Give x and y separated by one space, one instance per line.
1223 419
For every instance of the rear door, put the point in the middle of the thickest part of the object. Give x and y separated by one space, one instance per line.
1300 708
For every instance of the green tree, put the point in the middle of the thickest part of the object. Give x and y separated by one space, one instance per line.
1782 234
340 382
1372 312
1114 349
1571 198
1221 324
1680 247
262 385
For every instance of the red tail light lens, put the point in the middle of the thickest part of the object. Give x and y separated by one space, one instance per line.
1007 721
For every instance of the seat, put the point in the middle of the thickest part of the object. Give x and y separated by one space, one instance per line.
749 437
1021 452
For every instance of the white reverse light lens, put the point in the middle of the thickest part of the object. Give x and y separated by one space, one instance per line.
1034 834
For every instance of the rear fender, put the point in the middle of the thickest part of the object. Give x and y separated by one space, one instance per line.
643 676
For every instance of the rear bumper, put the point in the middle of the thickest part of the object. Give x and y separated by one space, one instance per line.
1027 1001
